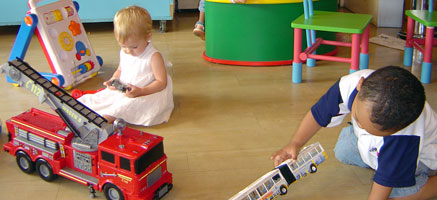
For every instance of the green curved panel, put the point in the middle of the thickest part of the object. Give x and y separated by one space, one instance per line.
256 32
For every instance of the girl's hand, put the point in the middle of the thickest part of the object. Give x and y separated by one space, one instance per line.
108 84
287 152
132 91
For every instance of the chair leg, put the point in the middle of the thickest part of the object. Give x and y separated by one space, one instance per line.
364 55
297 63
355 53
311 39
427 56
408 49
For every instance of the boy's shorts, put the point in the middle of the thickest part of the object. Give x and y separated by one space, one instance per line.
346 151
202 5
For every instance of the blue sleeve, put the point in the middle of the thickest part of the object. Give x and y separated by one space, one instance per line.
327 106
397 161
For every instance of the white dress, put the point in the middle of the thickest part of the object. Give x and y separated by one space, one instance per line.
146 110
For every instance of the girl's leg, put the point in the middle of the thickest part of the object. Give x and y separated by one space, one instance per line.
109 118
346 149
199 27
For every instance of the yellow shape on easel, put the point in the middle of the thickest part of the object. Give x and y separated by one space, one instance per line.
66 41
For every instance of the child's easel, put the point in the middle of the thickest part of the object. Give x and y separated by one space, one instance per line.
63 40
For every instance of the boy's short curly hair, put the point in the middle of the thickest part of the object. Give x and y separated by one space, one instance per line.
398 97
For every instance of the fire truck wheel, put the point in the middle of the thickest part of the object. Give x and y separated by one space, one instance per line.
45 170
24 162
112 192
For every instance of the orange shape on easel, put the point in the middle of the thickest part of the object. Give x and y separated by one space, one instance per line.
74 28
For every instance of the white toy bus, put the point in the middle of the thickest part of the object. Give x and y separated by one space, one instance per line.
276 182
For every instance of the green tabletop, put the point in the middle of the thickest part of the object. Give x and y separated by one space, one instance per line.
423 16
333 22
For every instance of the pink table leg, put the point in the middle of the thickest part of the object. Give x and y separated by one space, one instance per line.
297 63
364 55
355 53
408 49
427 56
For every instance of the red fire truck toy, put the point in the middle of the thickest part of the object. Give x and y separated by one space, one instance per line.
81 146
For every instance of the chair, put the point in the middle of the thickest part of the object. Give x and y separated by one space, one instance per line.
429 19
355 24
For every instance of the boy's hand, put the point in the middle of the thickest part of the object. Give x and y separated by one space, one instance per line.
288 152
240 1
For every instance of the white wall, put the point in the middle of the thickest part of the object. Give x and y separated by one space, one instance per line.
386 13
390 13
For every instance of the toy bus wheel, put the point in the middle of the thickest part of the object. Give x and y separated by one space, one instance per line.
313 168
24 162
45 170
283 190
112 192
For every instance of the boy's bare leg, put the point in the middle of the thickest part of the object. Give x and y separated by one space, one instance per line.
428 191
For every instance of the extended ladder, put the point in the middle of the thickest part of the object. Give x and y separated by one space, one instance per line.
79 118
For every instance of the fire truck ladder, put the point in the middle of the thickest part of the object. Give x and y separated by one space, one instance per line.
74 113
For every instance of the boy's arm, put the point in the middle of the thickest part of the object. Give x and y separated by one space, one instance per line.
160 82
307 129
379 192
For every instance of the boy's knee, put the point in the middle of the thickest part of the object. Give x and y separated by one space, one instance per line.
346 150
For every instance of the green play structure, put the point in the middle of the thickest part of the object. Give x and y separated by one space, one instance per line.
257 33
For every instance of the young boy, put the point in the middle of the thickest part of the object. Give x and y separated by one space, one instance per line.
393 131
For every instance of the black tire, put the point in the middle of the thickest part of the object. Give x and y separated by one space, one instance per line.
24 162
313 168
112 192
283 190
45 170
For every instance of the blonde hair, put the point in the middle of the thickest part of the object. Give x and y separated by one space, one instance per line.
132 21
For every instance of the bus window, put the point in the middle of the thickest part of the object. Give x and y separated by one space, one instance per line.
246 198
313 153
254 195
269 184
319 149
276 178
307 157
300 162
261 189
293 166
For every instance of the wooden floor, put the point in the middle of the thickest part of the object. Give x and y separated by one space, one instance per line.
227 120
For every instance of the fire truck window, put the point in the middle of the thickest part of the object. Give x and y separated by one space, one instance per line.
125 163
148 158
108 157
